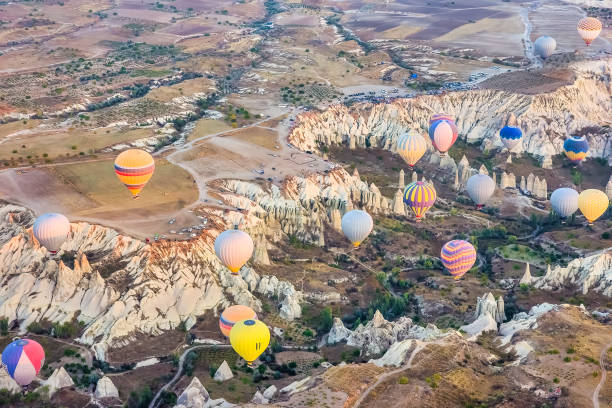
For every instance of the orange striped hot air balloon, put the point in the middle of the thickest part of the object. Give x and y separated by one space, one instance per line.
233 315
419 197
458 257
134 168
411 147
589 29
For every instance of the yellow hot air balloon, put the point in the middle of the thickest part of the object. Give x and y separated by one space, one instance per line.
250 338
411 147
593 203
134 168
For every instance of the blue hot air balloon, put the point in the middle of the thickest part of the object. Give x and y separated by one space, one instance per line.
576 148
510 136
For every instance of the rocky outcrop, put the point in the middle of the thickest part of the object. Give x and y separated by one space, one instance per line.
527 278
7 383
546 119
146 288
376 336
270 392
534 186
591 273
401 183
398 203
223 373
196 396
524 321
488 305
258 398
484 322
58 380
609 188
106 389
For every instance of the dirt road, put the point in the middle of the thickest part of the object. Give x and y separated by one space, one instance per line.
602 381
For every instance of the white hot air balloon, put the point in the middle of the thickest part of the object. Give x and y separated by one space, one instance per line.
544 46
357 225
480 188
564 201
51 230
234 248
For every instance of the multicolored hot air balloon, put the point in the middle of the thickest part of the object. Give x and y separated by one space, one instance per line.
576 148
51 230
441 116
589 29
510 136
564 201
356 226
443 134
23 359
249 338
544 46
234 314
411 147
480 188
458 257
234 248
593 203
419 197
134 168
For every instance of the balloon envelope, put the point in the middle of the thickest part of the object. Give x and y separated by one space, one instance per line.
134 168
234 314
593 203
544 46
480 188
411 147
589 29
441 116
51 230
576 148
250 338
23 359
458 257
564 201
510 136
419 197
234 248
443 134
356 226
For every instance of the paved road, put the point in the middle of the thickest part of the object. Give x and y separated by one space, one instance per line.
602 381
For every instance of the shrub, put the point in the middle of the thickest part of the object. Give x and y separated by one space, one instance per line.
567 359
403 380
556 380
307 333
4 326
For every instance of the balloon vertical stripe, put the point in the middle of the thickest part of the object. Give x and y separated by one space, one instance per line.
419 197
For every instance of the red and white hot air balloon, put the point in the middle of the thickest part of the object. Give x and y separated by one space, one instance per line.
589 29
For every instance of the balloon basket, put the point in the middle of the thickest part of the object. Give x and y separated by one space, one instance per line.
136 197
479 207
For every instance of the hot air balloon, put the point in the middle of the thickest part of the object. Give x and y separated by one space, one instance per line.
564 201
458 257
510 136
23 359
249 338
576 148
234 314
51 230
419 197
443 134
544 46
441 116
589 29
480 188
593 203
234 248
357 225
411 147
134 168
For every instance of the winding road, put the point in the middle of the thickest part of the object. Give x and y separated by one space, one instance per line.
602 381
179 372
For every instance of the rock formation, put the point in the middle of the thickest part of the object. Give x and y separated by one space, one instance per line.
398 203
270 392
526 279
7 383
415 177
609 188
401 179
223 373
507 180
58 380
488 304
260 254
378 334
545 119
524 321
106 389
258 398
196 396
591 273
